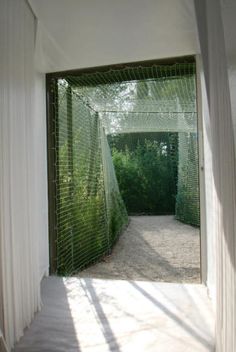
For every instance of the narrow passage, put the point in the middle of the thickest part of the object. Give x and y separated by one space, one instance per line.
152 248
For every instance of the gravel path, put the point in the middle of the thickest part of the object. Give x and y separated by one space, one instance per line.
153 248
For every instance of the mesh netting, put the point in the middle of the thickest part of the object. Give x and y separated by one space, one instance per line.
187 200
148 115
116 211
86 186
163 102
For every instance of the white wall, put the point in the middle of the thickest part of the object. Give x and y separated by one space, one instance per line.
209 190
222 145
232 84
229 18
23 177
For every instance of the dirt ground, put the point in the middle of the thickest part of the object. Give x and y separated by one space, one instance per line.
152 248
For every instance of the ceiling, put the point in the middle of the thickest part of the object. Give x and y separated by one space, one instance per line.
76 34
73 34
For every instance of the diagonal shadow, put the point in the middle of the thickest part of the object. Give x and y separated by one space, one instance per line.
166 267
173 316
192 302
106 328
143 260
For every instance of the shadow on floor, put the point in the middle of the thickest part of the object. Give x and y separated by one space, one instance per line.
172 316
152 248
53 328
90 291
89 315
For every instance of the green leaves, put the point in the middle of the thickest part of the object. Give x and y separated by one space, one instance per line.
146 171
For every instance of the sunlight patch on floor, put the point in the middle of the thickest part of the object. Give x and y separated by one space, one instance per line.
114 315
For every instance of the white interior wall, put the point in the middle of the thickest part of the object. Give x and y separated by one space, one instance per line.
23 176
232 84
229 18
209 190
228 8
211 35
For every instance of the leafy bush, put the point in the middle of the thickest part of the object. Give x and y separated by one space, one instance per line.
146 170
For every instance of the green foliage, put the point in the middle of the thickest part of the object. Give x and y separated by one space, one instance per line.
87 226
82 225
158 173
146 169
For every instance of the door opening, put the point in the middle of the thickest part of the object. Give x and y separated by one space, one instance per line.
124 141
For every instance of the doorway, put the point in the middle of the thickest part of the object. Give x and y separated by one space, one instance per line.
123 142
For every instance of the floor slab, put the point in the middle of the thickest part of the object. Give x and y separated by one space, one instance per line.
94 315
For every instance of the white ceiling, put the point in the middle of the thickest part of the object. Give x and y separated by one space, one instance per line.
77 33
83 33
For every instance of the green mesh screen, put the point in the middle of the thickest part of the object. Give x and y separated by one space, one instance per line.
187 200
148 116
85 229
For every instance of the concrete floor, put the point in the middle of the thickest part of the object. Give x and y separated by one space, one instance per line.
94 315
153 248
132 312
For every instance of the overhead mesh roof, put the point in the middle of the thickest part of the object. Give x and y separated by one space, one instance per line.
141 99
